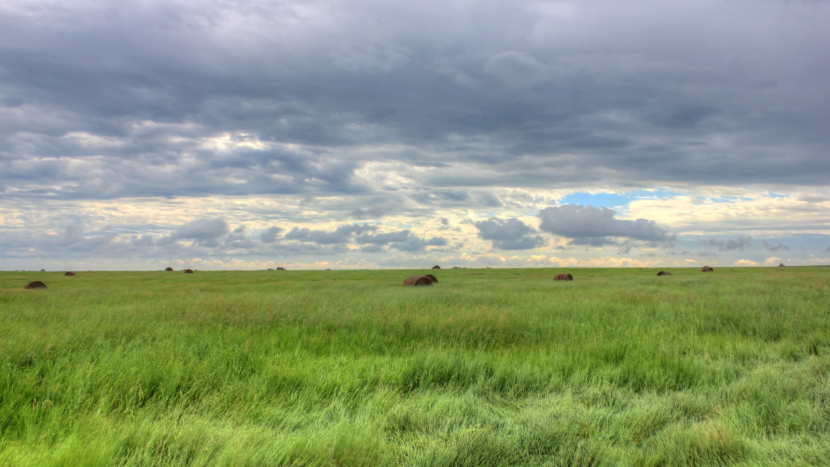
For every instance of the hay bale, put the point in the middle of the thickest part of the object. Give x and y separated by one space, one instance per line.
169 269
436 267
35 285
417 281
69 273
664 273
280 268
42 270
781 265
188 271
563 277
432 278
706 269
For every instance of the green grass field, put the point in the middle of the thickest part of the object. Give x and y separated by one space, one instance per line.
488 367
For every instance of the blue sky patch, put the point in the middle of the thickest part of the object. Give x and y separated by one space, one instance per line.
613 200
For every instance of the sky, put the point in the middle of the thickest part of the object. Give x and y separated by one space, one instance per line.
236 134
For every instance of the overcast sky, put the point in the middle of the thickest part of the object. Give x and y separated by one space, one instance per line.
362 134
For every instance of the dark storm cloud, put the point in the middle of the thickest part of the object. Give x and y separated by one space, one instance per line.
106 100
510 234
591 226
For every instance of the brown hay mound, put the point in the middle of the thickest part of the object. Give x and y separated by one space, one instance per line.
436 267
664 273
70 273
432 278
563 277
169 269
417 281
35 285
188 271
270 269
280 268
706 269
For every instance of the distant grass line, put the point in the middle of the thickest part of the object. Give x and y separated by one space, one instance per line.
488 367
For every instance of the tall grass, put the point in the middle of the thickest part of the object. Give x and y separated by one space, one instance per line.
488 367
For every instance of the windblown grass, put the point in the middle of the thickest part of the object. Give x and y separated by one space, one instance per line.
487 367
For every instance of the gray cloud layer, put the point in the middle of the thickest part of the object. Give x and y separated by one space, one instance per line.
587 225
211 237
103 100
738 243
510 234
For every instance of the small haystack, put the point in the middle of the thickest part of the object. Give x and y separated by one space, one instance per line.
270 269
280 268
436 267
417 281
42 270
706 269
432 278
169 269
781 265
69 273
188 271
35 285
664 273
563 277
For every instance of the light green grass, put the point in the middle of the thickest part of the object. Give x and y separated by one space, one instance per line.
488 367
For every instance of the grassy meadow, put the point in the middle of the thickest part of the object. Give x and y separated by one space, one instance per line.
488 367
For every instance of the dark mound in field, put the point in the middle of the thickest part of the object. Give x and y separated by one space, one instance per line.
188 271
35 285
280 268
432 278
664 273
169 269
706 269
436 267
781 265
69 273
43 270
563 277
270 269
417 281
